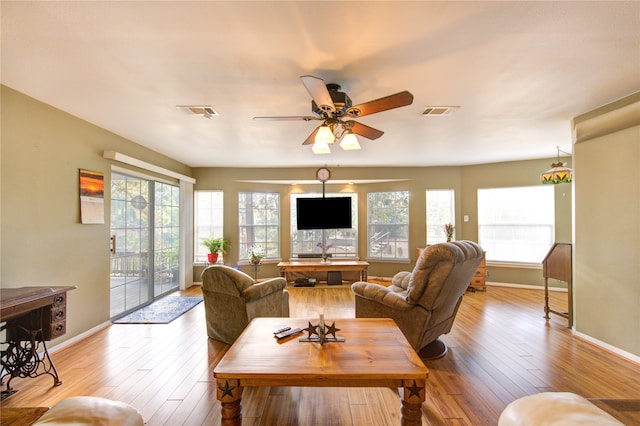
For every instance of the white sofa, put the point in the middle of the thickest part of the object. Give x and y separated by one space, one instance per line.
555 409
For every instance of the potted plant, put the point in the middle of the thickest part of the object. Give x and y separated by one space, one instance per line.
256 254
215 246
449 230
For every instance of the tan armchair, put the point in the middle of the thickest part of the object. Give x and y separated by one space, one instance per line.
232 299
424 302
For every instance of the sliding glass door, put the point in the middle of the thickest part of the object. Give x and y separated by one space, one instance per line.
145 241
166 231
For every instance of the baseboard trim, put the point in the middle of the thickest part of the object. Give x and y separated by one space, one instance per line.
526 286
614 350
77 338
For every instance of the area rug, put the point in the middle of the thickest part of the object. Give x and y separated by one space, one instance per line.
162 311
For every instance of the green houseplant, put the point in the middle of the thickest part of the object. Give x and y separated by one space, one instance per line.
216 246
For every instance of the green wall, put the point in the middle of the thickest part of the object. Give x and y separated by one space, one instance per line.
464 180
43 241
230 180
607 228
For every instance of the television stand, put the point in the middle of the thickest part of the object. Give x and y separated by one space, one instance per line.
330 265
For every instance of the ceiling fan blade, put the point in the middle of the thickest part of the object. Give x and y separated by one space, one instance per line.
312 137
366 131
288 118
383 104
318 91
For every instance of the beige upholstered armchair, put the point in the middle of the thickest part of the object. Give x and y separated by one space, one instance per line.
232 299
424 302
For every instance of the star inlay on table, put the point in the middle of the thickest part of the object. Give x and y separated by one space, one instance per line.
414 390
226 389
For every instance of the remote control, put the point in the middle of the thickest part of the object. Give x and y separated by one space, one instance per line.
288 333
280 330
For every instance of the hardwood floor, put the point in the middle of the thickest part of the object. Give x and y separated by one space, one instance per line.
501 348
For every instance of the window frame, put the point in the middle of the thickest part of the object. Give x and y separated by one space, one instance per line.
540 198
437 227
398 244
215 227
247 231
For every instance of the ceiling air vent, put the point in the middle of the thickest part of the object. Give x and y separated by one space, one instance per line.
206 111
440 110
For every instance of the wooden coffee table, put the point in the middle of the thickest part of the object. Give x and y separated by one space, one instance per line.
375 353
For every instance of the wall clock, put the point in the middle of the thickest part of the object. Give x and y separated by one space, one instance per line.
323 174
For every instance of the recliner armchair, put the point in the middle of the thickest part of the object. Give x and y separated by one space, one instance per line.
232 299
424 302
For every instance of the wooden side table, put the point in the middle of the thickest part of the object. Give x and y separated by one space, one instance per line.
479 280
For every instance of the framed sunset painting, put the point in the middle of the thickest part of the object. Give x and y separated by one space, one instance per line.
91 197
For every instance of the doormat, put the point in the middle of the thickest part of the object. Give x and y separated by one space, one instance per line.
162 311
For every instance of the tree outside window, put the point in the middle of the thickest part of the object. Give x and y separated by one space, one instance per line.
388 225
259 223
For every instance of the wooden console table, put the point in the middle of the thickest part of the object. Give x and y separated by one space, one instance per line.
31 316
332 265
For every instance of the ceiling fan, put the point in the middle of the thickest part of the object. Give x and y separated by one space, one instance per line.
334 108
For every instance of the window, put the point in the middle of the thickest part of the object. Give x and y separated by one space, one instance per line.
388 225
516 224
440 211
259 223
166 232
340 242
208 220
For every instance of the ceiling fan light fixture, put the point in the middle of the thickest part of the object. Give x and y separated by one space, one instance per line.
349 142
324 135
321 147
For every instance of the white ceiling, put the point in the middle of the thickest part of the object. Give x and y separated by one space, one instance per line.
518 70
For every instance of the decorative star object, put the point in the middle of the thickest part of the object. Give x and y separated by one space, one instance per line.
332 329
312 329
414 390
226 389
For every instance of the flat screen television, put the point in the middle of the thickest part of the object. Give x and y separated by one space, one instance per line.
323 213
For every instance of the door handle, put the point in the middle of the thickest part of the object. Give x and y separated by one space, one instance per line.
112 249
